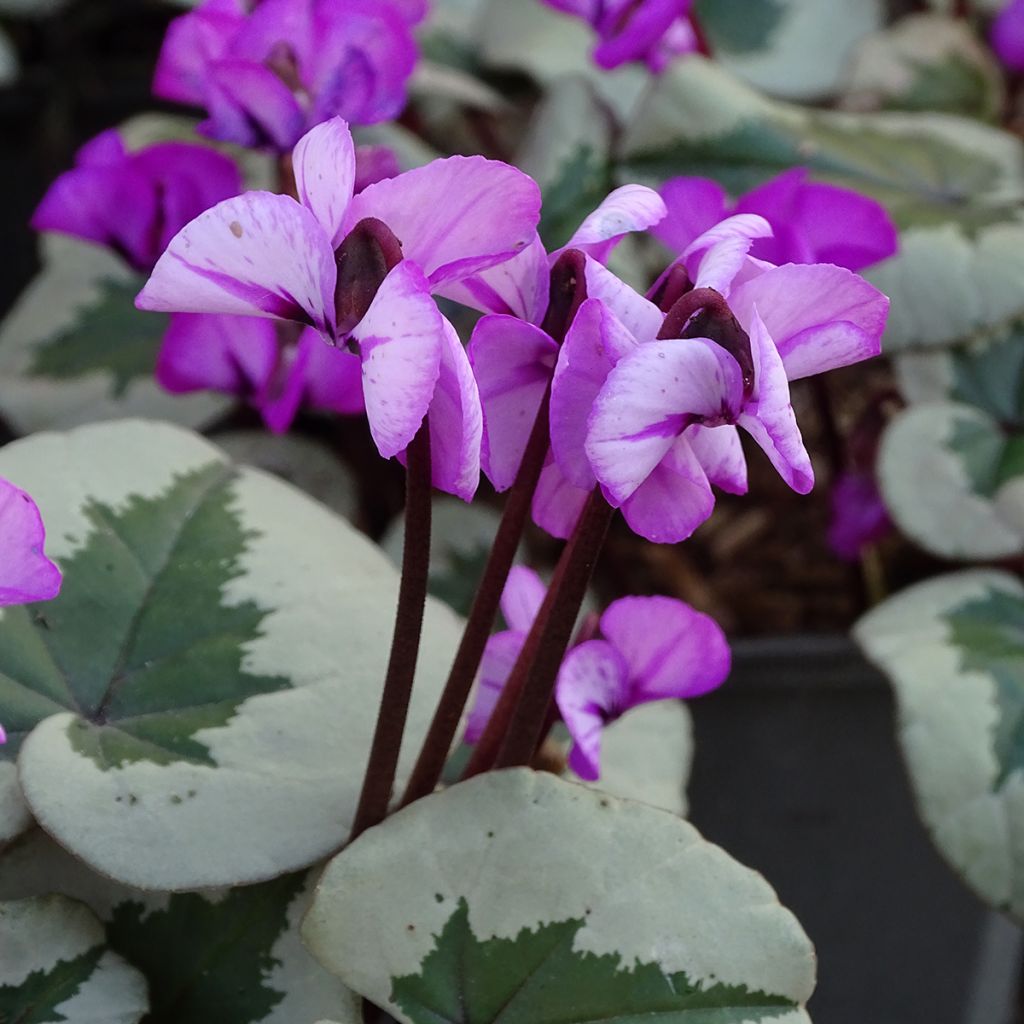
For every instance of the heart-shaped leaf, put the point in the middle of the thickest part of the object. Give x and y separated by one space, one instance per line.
520 898
56 967
954 650
196 707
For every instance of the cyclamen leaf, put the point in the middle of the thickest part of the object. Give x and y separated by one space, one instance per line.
519 898
196 708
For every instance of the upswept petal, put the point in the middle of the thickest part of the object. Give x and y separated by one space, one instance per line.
325 174
671 650
673 500
819 317
594 343
401 339
720 453
519 287
629 208
715 258
769 416
591 689
513 362
693 206
456 421
522 597
281 399
496 666
638 38
455 217
229 260
649 399
557 505
26 574
640 317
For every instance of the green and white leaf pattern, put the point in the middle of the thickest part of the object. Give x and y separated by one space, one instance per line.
519 897
56 967
214 957
953 481
954 650
196 708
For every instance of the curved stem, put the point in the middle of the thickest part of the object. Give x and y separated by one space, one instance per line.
512 734
405 643
438 742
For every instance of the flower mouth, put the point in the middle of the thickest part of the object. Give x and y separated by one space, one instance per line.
368 253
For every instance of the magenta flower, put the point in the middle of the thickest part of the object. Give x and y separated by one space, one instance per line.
859 516
653 31
513 357
267 72
1007 35
651 648
649 408
333 261
811 222
134 203
26 574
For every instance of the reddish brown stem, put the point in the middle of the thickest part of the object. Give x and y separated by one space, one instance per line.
405 643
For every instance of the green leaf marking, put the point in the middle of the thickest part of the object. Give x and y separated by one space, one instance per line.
36 999
539 978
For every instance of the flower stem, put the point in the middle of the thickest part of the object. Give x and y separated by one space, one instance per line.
405 643
512 734
438 742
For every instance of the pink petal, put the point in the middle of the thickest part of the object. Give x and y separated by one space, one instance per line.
671 650
716 257
518 287
594 343
522 597
280 402
720 453
496 666
513 362
232 354
650 398
557 505
333 377
641 318
769 417
693 205
455 217
637 34
325 174
373 164
401 339
592 689
26 574
251 106
1007 35
456 421
673 500
231 260
819 317
627 209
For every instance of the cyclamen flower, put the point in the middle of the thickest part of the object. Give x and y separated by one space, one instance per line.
653 31
134 203
1007 35
811 222
649 409
360 270
267 72
650 649
859 515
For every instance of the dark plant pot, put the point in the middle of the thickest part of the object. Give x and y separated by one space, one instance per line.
798 774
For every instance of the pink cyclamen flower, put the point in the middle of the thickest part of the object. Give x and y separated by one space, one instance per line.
811 222
653 31
649 410
859 515
134 203
267 72
361 270
650 649
1007 35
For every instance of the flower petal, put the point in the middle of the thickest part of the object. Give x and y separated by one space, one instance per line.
325 174
671 650
496 666
26 574
629 208
639 316
250 105
455 217
716 257
229 260
649 399
518 287
720 453
557 505
400 342
513 362
819 317
333 377
1007 35
594 343
522 597
634 32
693 206
591 689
